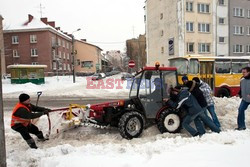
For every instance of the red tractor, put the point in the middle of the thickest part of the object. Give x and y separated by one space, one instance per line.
144 107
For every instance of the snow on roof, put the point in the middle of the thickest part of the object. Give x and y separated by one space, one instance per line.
34 25
26 66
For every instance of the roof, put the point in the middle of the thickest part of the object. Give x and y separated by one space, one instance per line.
26 66
34 25
89 44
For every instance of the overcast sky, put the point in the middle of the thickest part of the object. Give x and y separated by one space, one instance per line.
105 23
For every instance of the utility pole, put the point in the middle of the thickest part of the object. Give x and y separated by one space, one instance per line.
73 59
2 133
73 55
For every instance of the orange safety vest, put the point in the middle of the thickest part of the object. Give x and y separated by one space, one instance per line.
16 120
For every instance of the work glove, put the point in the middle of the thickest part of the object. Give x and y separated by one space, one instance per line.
46 111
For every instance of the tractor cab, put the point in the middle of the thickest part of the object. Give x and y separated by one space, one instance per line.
150 87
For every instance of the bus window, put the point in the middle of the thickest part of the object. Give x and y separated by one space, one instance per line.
222 66
194 66
238 65
180 64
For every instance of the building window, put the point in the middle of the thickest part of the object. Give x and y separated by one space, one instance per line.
190 47
221 2
34 52
59 54
162 32
63 43
64 55
15 53
238 12
88 64
189 6
248 13
68 56
15 40
34 63
248 30
69 67
64 66
248 49
203 27
161 16
78 62
67 45
33 39
238 48
204 48
203 8
190 26
221 39
59 42
221 20
162 49
54 65
238 30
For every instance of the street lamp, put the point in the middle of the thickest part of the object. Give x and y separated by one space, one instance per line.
73 55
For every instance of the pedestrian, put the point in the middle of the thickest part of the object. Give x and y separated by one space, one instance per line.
207 92
244 93
194 111
21 118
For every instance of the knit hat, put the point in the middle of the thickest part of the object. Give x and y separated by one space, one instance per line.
23 97
184 78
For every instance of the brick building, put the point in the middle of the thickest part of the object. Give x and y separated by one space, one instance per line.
38 41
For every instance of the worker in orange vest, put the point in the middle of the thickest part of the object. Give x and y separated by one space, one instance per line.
21 118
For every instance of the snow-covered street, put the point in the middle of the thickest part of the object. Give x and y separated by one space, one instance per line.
90 146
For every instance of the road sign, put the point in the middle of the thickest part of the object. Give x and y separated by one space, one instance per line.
131 63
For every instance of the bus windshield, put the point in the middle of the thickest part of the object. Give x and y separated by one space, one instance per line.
181 65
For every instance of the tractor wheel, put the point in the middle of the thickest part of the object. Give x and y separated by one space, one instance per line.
131 125
169 121
223 92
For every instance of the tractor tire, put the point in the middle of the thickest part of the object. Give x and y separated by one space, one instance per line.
169 121
131 125
223 92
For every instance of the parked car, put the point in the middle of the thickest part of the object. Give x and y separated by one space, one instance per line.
98 76
126 76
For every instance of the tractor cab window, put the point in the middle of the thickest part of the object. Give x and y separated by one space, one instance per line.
169 81
135 84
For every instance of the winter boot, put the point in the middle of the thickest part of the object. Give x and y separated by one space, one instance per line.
41 137
31 143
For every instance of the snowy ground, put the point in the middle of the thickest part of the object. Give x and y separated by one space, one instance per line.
89 146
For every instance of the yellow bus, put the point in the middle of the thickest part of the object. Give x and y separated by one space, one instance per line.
223 74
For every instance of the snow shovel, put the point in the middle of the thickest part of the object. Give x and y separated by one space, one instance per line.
34 121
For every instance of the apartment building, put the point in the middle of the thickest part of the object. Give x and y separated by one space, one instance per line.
178 28
38 41
239 20
3 67
88 58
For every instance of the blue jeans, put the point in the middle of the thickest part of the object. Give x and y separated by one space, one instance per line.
186 125
208 122
199 126
213 115
241 114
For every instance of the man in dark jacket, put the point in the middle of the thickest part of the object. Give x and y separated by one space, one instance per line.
21 118
194 111
245 95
